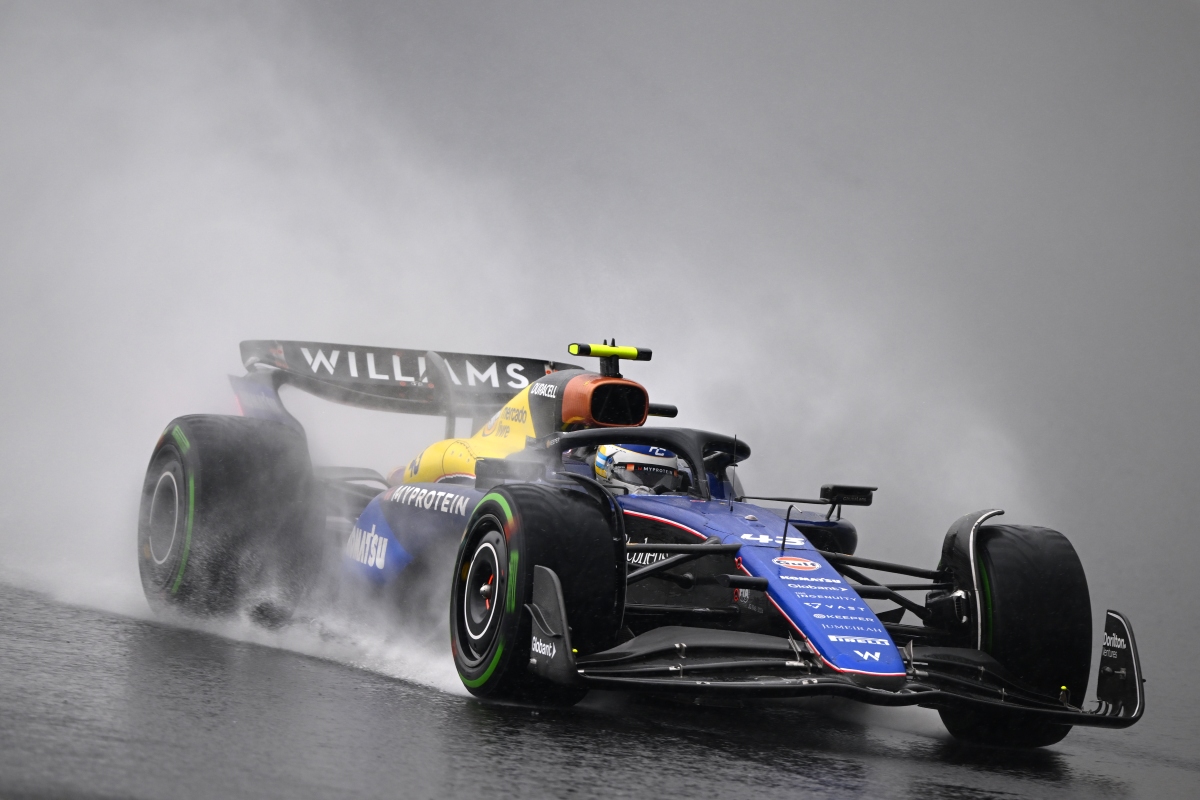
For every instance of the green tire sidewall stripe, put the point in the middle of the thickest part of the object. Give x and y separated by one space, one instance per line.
987 602
187 539
181 439
501 501
514 558
475 683
511 600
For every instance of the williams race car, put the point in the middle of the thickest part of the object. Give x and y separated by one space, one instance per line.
583 550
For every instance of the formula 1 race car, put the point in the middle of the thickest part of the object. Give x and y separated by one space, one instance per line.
560 581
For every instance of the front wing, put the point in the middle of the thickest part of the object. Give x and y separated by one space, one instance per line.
707 661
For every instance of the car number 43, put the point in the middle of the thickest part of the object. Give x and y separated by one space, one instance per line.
763 538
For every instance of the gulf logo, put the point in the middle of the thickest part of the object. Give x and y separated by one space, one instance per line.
792 562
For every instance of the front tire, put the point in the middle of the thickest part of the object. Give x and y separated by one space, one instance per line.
514 528
1037 622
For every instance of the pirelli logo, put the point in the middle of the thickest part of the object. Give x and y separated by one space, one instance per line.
857 639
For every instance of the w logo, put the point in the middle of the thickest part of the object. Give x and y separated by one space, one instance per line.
867 656
321 360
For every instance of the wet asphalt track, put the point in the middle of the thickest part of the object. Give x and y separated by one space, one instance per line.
93 704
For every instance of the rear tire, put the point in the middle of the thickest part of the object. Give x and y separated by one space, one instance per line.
514 528
1037 622
227 509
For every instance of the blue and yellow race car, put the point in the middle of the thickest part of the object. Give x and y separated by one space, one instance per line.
582 549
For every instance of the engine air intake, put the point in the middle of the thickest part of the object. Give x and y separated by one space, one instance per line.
598 401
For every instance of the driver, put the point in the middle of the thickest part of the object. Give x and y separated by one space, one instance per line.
639 468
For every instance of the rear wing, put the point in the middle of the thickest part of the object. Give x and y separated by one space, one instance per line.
383 378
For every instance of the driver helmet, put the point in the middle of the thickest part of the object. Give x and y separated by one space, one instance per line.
640 468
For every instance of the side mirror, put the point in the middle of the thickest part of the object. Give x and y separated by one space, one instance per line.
838 495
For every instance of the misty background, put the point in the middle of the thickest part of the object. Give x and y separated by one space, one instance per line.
945 249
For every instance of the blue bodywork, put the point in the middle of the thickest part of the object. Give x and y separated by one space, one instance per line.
403 522
818 604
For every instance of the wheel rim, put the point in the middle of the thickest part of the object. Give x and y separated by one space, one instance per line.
480 592
163 524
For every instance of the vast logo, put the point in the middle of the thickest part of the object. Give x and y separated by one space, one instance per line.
838 607
367 547
543 648
794 562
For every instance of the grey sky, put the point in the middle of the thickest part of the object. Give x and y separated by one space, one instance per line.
949 249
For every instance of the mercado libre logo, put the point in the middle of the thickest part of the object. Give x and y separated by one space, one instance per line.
792 562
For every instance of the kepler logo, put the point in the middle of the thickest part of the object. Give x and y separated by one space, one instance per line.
793 562
543 648
367 547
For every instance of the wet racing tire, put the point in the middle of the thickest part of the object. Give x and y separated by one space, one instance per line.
227 513
1037 622
514 528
